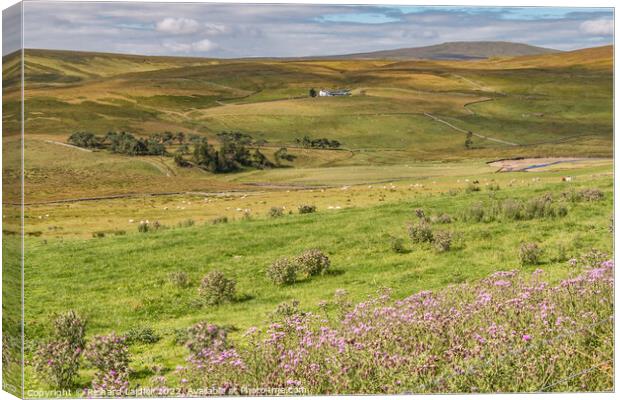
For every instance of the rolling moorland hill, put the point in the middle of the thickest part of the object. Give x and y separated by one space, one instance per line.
454 51
399 112
409 201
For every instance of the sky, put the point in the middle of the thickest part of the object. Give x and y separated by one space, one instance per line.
293 30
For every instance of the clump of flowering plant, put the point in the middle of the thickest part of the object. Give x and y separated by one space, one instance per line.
216 288
110 355
508 332
58 360
312 262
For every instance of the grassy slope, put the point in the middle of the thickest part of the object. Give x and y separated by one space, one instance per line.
558 104
120 282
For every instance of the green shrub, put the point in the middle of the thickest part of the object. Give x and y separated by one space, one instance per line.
99 234
493 187
442 240
204 336
285 310
215 288
442 219
589 194
282 272
475 213
186 224
219 220
275 212
472 187
70 326
529 254
312 262
397 245
108 352
419 213
179 279
58 361
512 209
421 232
145 335
306 209
539 207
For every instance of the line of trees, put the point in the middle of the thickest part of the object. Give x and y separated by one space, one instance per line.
123 143
322 143
232 155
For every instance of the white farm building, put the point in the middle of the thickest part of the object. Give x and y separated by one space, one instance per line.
339 92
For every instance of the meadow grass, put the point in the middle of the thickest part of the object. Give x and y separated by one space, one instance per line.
119 282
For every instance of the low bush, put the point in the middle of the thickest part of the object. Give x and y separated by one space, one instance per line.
110 355
588 194
306 209
474 213
529 254
420 232
179 279
144 335
112 383
70 326
539 207
204 336
493 187
215 288
442 240
419 213
58 361
312 262
219 220
591 194
108 352
397 245
282 272
442 219
512 209
472 187
285 310
146 226
186 223
275 212
99 234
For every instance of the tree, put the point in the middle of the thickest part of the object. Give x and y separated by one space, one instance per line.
180 161
183 149
259 160
85 139
468 140
312 92
180 137
282 155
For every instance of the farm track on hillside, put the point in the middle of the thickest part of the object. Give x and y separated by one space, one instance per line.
473 133
68 145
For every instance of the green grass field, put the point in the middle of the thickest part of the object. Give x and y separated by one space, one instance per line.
83 208
122 282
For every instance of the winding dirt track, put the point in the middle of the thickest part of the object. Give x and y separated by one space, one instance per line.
473 133
68 145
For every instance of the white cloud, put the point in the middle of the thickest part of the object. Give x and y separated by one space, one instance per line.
178 26
216 29
201 46
598 27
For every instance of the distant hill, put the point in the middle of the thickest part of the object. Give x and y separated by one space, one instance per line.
454 51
